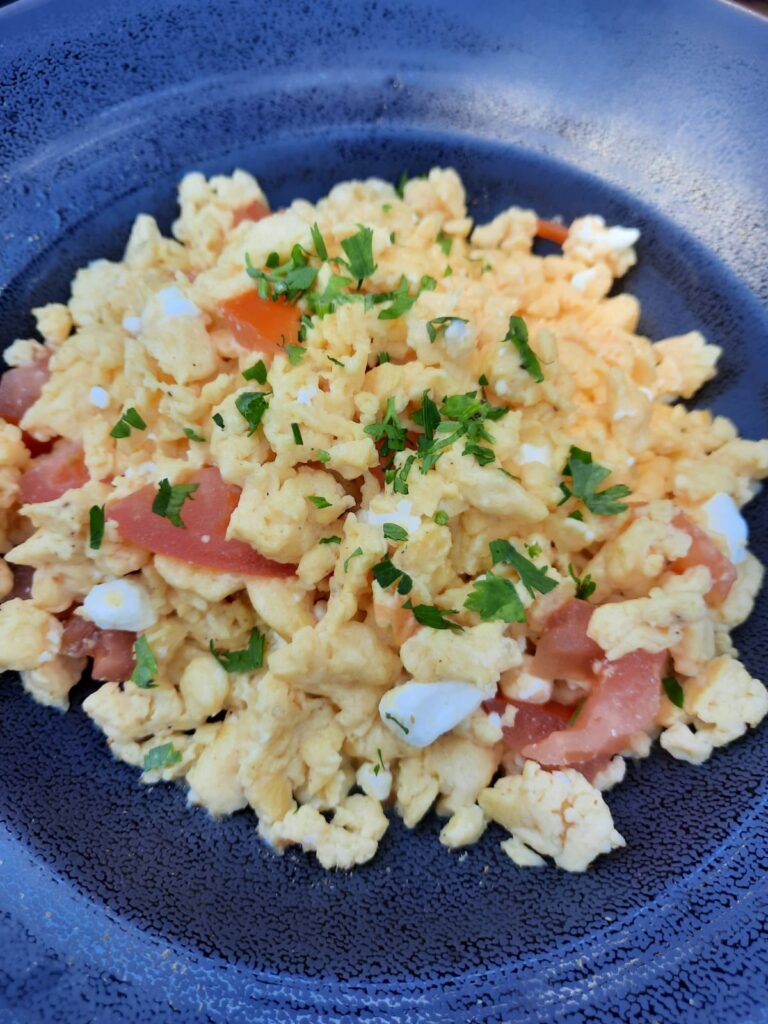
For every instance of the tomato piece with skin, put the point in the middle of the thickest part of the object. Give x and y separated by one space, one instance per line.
704 551
261 325
552 230
253 211
20 388
624 699
564 650
202 540
49 476
22 582
110 649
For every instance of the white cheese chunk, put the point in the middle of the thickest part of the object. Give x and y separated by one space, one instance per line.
533 453
305 395
173 303
420 712
99 397
373 783
722 516
132 324
120 604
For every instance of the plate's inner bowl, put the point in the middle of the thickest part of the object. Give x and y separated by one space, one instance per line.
417 909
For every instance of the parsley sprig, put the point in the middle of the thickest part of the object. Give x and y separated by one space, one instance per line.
170 498
585 477
146 665
290 279
517 334
495 597
130 420
531 576
386 573
433 617
585 585
245 660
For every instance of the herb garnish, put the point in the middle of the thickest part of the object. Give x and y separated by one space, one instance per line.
146 665
386 573
245 660
129 419
95 526
517 334
440 323
252 405
673 690
435 618
585 585
532 578
161 757
257 372
586 476
495 597
169 499
394 532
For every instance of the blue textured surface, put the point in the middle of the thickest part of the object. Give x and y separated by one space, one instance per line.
118 903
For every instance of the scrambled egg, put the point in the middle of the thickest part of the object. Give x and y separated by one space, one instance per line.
446 391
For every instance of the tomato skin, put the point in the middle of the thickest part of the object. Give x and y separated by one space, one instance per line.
261 325
704 551
20 388
49 476
253 211
205 514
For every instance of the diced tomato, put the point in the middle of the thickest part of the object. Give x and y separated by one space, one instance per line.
564 650
533 722
261 324
111 649
50 476
35 447
704 551
22 581
624 700
113 658
552 230
20 388
202 540
253 211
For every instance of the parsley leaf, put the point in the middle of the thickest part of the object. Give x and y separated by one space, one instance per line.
435 618
518 335
296 431
383 358
96 526
252 405
323 455
495 597
482 380
586 476
161 757
129 419
290 279
330 540
336 362
387 433
386 573
585 586
169 499
146 666
218 419
318 242
355 554
400 477
532 578
192 434
358 249
401 301
445 242
295 355
673 690
380 766
448 271
402 181
257 372
245 660
534 550
441 517
318 501
440 323
394 532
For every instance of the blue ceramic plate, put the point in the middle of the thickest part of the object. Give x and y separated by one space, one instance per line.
120 903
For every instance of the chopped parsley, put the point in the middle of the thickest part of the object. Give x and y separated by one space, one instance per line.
517 334
318 501
441 517
252 405
95 526
448 271
386 573
482 380
383 358
192 434
305 323
399 478
435 618
128 421
394 532
290 279
585 585
386 207
532 578
402 181
323 455
586 476
576 712
169 499
319 242
379 766
257 372
330 540
295 355
245 660
534 550
440 323
578 516
673 690
218 419
146 665
336 362
296 431
388 435
392 237
355 554
161 757
445 242
358 250
397 722
402 300
495 598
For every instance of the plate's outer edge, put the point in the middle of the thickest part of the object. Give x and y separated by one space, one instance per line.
530 76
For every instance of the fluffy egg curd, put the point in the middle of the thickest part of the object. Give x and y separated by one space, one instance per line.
358 506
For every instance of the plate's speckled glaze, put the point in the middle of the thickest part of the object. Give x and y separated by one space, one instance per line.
122 905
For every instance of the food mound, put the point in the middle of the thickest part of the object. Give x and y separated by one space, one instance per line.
357 505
